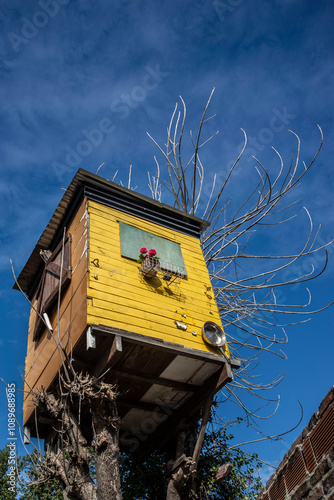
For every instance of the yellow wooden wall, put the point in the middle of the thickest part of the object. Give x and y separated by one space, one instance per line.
115 294
119 297
43 360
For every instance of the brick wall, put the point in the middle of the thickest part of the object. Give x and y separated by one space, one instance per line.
307 470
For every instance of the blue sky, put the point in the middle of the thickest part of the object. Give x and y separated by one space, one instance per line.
111 71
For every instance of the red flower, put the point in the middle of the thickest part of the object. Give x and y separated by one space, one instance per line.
152 252
143 250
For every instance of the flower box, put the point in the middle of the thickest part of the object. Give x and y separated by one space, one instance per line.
150 267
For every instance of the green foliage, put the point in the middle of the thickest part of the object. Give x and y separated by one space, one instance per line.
5 493
50 490
147 481
47 491
243 482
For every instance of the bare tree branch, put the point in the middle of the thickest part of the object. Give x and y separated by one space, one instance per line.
248 287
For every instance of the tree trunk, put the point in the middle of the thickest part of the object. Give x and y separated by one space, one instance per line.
71 462
106 433
178 470
67 496
178 479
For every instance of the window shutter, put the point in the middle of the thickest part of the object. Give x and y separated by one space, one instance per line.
49 289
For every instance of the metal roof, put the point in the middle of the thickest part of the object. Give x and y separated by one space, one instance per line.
94 187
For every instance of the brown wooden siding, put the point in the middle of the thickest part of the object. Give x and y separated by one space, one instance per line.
43 360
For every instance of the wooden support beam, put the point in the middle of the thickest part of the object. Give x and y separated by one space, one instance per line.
151 379
198 446
235 364
180 474
191 406
201 434
109 357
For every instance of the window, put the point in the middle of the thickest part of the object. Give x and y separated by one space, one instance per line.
49 285
169 252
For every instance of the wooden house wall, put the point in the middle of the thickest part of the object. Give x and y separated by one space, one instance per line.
119 297
43 360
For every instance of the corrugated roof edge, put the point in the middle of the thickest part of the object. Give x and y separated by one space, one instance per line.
27 277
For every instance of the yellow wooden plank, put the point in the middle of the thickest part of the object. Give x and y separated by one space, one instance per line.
117 279
194 309
100 219
123 299
93 317
107 223
113 215
140 291
118 268
147 324
137 312
148 290
110 245
196 269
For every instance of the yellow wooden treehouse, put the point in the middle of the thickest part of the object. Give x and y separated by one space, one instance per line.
151 327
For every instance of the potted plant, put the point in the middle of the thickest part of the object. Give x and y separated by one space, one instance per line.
149 261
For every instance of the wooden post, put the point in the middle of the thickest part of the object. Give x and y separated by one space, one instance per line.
183 469
198 446
201 434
